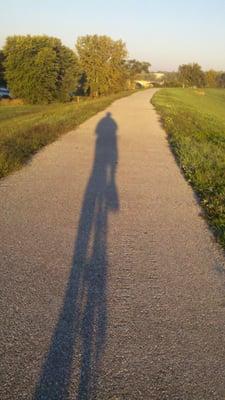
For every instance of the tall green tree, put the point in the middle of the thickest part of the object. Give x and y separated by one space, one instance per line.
221 80
211 78
135 67
39 69
191 75
102 62
2 69
69 73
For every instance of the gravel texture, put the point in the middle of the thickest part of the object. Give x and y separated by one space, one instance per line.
112 286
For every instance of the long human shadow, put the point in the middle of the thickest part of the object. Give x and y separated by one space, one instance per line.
82 323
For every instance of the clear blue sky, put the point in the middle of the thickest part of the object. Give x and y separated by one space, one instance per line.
165 32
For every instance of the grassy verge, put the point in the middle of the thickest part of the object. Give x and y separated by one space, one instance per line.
195 122
24 129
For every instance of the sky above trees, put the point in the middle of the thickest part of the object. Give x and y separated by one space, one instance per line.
165 33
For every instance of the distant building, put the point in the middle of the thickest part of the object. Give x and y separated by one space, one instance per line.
154 79
143 84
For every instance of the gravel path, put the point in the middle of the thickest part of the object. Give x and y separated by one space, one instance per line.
112 286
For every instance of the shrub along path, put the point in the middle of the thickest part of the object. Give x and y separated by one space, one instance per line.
112 286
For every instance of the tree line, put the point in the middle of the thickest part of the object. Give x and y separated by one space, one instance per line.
192 75
40 69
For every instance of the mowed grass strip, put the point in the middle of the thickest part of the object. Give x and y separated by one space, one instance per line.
195 123
24 129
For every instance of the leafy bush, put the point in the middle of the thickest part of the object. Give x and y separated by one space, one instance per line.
39 69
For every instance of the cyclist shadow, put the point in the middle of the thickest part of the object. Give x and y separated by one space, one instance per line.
82 323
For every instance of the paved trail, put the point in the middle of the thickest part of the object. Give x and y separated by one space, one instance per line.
111 285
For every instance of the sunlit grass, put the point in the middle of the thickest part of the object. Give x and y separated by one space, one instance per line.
195 122
24 129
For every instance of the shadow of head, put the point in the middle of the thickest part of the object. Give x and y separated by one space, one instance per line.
107 127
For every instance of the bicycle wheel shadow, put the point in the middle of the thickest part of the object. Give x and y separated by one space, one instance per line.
82 322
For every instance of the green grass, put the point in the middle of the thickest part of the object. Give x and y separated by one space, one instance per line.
195 122
24 129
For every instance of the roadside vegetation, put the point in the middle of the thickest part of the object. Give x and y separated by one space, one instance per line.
192 75
24 129
195 122
45 78
41 70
